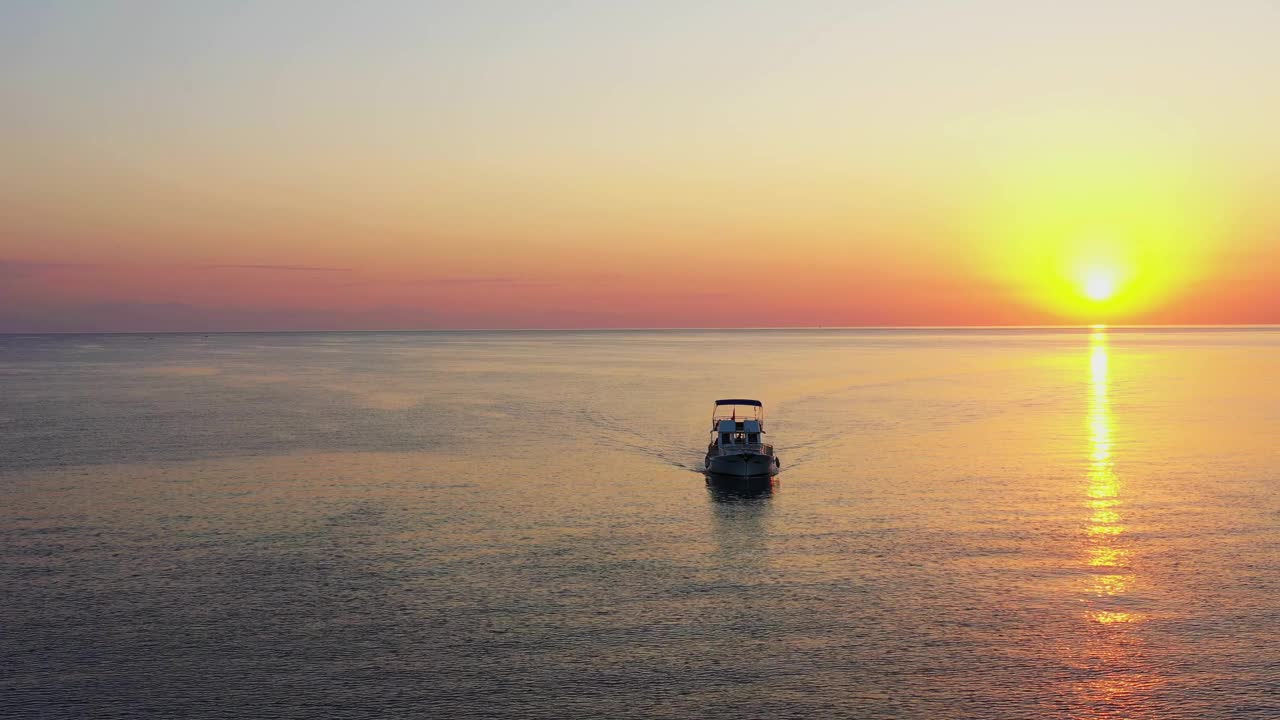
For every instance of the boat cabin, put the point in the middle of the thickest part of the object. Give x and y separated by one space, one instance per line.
739 432
737 423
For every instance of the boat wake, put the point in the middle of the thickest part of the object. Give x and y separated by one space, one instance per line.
804 444
618 435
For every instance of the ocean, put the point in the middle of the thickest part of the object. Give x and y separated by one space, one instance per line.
976 523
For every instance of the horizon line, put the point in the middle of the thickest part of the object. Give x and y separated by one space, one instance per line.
1086 326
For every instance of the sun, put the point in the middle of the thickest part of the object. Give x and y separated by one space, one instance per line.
1100 284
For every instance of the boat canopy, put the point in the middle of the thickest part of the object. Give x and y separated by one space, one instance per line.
744 411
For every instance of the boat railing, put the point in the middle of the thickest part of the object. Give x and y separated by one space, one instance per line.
718 418
763 448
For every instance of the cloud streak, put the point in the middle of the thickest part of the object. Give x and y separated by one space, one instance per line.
25 270
281 268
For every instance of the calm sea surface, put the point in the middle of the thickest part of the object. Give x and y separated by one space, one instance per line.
968 524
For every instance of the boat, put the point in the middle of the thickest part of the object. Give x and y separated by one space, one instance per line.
737 447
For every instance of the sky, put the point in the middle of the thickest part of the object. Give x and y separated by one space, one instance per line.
396 165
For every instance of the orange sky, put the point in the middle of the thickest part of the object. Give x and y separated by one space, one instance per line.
316 166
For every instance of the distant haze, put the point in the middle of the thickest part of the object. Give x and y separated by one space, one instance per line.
318 165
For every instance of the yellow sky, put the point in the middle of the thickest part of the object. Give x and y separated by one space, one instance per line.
517 165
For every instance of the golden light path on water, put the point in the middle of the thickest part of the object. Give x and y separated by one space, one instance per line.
1119 680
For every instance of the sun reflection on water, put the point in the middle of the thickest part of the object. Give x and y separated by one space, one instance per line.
1119 680
1106 521
1107 557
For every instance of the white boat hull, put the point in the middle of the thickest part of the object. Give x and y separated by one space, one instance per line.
742 465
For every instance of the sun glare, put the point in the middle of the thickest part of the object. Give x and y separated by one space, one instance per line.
1110 223
1099 285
